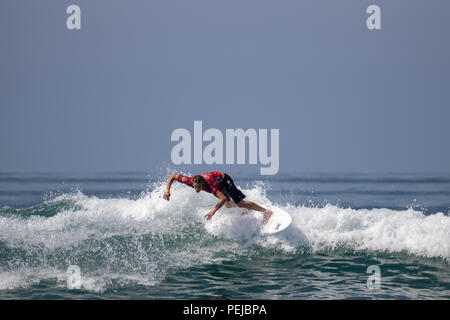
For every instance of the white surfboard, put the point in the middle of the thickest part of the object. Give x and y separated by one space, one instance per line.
278 221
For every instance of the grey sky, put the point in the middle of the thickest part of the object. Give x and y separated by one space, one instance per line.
108 96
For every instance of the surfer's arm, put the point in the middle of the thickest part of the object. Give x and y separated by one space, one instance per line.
222 200
169 183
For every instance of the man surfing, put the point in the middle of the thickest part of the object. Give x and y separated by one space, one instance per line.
222 186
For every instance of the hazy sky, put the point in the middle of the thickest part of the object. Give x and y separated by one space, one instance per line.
108 96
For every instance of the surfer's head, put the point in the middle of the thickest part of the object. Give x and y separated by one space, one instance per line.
199 183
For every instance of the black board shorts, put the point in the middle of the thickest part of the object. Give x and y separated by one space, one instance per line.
229 189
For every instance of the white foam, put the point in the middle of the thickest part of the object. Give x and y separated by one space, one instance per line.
91 218
376 229
26 277
330 227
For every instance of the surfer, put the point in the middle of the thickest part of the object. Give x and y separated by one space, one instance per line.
222 186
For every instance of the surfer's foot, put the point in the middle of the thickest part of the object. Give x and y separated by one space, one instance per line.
267 215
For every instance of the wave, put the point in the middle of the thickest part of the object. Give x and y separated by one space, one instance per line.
121 240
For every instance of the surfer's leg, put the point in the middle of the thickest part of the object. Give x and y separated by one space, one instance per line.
229 188
250 205
253 206
230 204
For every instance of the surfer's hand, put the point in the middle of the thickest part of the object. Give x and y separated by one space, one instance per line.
210 214
166 195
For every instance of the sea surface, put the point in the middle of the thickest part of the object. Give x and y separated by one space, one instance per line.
113 236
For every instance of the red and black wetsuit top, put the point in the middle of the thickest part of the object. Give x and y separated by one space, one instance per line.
213 179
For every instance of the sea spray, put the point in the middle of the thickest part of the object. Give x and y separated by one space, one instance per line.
119 241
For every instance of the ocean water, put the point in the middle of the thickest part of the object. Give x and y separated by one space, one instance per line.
113 236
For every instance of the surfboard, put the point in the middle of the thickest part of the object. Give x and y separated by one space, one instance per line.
278 221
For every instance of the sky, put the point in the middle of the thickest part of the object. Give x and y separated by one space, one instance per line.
108 96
